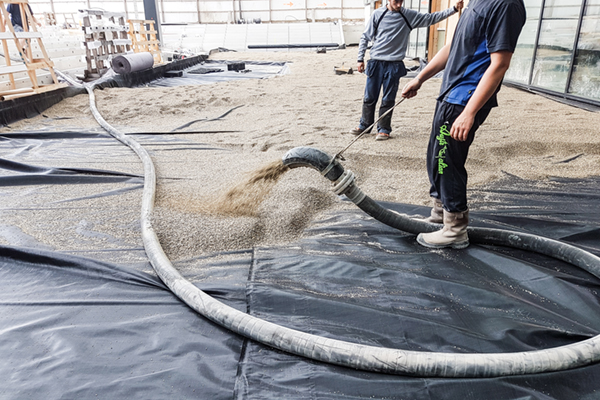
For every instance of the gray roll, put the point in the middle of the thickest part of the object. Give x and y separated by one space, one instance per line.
124 64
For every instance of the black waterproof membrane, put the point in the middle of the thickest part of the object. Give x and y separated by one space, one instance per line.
78 322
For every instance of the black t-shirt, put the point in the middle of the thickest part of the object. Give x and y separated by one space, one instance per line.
485 27
15 14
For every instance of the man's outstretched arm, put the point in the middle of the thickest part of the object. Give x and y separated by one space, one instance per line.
436 65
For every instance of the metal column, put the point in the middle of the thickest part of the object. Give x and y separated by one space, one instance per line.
151 13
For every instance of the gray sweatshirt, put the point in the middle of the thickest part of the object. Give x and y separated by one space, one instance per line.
393 33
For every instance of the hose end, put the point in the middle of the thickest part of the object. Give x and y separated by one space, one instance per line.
310 157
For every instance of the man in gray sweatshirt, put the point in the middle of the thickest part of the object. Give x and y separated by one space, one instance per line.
389 31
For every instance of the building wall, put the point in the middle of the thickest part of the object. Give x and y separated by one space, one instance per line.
263 11
558 51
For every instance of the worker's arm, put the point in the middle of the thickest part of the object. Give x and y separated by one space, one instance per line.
500 61
436 65
423 20
363 44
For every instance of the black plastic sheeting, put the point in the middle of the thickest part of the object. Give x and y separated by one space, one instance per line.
85 325
75 328
30 106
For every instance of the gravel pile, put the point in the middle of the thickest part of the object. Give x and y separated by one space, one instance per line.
206 200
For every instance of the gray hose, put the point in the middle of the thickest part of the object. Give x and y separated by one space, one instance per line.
476 365
344 184
369 358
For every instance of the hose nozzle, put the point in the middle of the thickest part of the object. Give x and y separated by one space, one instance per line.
329 167
310 157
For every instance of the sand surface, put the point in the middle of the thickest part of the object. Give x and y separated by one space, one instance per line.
530 136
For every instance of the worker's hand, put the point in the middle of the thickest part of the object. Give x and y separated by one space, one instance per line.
459 5
411 88
462 126
360 67
38 23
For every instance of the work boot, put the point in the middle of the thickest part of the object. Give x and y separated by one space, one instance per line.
437 213
453 234
358 131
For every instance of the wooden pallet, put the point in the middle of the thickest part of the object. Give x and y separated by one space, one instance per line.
143 38
50 18
105 38
29 65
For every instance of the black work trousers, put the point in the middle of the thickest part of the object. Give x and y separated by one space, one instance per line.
446 157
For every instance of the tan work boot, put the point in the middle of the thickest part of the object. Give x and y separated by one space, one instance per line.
437 212
453 234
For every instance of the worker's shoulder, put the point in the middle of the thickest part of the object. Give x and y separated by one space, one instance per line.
380 10
498 7
502 3
409 11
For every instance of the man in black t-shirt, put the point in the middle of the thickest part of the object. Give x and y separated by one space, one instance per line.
17 22
474 65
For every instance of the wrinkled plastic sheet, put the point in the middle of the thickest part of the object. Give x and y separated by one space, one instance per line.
253 70
87 324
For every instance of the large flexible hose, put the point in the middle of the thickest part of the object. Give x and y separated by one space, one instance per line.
569 356
369 358
344 183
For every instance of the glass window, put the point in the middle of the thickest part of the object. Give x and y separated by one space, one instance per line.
417 45
562 9
585 80
520 65
412 44
555 46
421 42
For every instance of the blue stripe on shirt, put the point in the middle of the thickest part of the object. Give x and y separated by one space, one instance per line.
461 93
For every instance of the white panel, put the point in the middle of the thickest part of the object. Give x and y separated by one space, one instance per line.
177 18
203 38
288 4
354 4
110 6
278 34
216 17
67 8
235 38
216 6
353 14
299 33
287 16
216 30
135 9
39 9
324 3
180 7
258 34
255 5
322 14
254 15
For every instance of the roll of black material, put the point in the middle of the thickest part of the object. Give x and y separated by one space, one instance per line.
124 64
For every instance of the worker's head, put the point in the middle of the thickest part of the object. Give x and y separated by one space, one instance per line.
395 5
